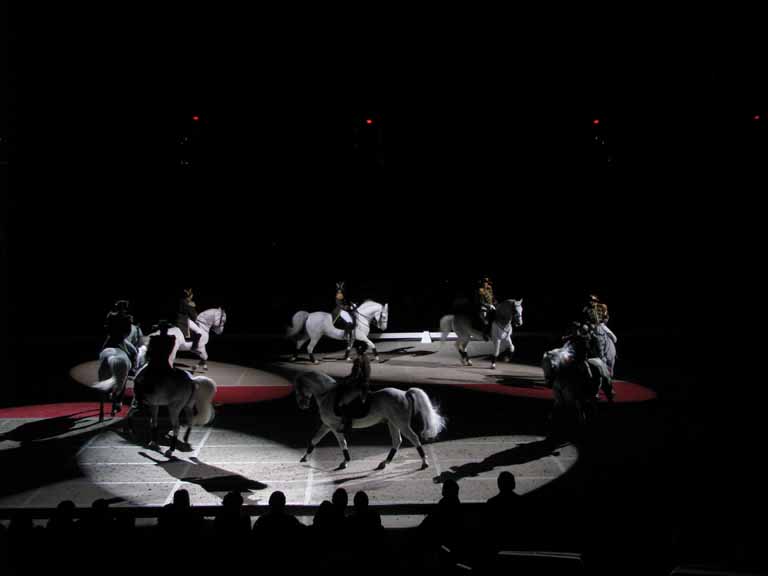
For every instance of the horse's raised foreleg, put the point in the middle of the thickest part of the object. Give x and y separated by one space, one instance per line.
371 345
397 440
319 435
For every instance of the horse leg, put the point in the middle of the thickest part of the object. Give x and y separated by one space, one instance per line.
397 440
342 440
173 412
496 352
319 435
372 346
310 349
154 425
188 414
299 343
462 346
409 433
103 397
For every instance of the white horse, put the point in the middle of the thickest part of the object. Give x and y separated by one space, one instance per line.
509 314
402 411
209 320
306 327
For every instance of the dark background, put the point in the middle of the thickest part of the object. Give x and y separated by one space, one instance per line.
482 159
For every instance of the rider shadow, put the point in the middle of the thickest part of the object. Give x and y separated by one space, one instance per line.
212 479
50 427
520 454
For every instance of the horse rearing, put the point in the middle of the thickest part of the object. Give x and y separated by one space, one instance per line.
400 410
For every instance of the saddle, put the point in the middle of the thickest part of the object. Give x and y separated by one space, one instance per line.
354 409
344 320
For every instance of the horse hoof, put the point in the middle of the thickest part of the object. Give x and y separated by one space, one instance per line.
382 465
169 453
342 466
424 465
377 359
293 359
153 446
348 359
315 362
493 366
303 459
469 362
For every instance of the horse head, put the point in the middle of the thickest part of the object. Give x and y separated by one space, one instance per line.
302 390
510 311
383 317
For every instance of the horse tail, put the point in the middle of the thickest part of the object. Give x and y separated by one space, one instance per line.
446 325
205 389
119 366
298 323
433 421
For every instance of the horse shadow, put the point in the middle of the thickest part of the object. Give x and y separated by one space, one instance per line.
520 454
516 381
50 427
212 479
408 351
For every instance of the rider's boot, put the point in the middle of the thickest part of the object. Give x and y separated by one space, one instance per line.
346 425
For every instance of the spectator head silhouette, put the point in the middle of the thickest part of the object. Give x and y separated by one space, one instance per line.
506 482
277 501
340 498
361 500
181 499
232 500
451 489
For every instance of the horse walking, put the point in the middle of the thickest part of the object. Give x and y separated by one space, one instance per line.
576 372
209 320
311 327
114 368
509 315
404 412
179 391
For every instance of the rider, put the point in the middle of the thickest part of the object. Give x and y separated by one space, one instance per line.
486 303
343 304
355 385
595 312
186 311
119 324
158 360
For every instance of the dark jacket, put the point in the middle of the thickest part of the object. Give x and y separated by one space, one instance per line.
185 312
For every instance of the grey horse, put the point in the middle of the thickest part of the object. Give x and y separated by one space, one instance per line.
509 315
